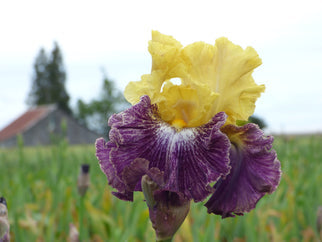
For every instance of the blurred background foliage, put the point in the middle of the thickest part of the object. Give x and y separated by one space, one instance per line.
40 185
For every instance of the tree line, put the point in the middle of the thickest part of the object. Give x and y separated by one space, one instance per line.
49 87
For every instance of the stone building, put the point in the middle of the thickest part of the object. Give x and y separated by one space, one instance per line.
41 125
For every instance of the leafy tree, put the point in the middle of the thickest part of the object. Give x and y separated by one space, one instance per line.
253 119
95 114
257 120
49 78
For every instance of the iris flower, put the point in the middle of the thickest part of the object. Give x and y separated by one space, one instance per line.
182 129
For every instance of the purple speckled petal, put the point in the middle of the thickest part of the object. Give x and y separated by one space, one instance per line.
255 172
190 159
102 152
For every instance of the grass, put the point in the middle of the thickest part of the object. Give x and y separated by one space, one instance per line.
40 185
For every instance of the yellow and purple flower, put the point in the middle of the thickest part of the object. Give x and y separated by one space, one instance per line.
184 135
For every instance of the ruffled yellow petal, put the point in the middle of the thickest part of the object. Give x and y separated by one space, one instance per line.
226 69
150 85
214 78
166 63
165 52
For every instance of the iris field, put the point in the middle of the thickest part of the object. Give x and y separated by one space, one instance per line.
40 186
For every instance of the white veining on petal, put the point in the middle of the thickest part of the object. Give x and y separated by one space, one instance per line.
189 158
167 132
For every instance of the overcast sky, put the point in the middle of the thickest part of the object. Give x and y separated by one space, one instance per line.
114 35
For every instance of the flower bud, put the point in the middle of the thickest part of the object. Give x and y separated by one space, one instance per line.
83 179
73 234
167 209
4 222
319 221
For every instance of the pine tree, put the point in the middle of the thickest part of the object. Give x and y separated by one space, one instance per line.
37 94
49 80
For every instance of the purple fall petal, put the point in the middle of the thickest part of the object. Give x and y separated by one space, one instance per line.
255 172
102 152
190 159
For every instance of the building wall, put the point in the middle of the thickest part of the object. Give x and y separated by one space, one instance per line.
9 142
47 130
76 133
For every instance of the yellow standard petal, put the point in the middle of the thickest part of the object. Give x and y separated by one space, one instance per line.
214 78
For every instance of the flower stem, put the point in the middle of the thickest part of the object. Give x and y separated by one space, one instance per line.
81 218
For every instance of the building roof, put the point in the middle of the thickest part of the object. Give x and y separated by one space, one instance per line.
26 121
